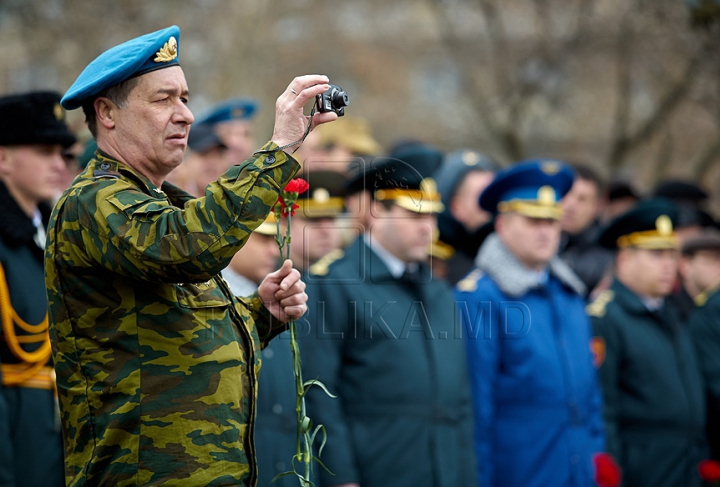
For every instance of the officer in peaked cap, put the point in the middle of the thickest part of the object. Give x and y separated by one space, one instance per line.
461 178
406 170
408 390
645 354
128 255
527 331
314 228
33 135
232 121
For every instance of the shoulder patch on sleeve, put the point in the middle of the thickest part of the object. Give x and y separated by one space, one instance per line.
597 307
468 283
322 266
597 348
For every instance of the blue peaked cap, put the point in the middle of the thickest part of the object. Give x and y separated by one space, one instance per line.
156 50
232 109
522 181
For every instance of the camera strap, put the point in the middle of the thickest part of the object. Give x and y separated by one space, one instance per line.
300 141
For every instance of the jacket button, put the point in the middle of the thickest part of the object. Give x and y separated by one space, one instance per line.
270 159
105 166
277 409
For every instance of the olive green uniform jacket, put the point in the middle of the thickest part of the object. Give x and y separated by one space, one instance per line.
704 326
652 388
156 360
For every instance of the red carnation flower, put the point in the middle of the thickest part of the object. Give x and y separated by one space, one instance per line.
709 470
297 185
288 197
607 472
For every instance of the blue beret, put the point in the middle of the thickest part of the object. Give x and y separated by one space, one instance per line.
538 183
232 109
133 58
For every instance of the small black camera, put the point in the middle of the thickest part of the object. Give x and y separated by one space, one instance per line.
333 100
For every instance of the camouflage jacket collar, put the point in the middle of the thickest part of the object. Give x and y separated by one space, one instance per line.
103 165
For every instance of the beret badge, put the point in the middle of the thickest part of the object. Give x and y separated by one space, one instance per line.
168 52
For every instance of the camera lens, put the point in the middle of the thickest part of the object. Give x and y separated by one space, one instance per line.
340 98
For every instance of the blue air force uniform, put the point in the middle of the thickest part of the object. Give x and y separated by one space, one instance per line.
537 402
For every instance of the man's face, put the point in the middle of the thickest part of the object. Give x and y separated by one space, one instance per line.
405 234
580 206
648 272
702 269
205 168
534 241
258 258
239 137
312 239
464 205
32 173
151 131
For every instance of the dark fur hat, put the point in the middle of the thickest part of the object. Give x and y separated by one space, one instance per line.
33 118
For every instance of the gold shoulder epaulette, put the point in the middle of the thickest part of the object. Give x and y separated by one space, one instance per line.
597 307
322 266
469 283
702 298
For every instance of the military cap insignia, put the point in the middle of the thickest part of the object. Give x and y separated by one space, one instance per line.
58 112
237 113
597 348
321 195
550 167
546 196
663 225
168 52
470 158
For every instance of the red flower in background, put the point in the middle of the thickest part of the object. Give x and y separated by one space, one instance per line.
607 472
709 470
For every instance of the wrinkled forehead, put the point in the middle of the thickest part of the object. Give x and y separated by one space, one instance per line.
170 80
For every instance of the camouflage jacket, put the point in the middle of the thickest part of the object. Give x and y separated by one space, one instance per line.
156 360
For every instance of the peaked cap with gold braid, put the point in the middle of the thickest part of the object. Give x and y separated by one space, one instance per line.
532 188
649 225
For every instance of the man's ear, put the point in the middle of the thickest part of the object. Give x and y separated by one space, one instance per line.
105 112
5 155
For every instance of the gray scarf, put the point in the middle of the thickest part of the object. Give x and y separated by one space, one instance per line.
512 277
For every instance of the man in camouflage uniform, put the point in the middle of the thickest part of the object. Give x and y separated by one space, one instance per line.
157 362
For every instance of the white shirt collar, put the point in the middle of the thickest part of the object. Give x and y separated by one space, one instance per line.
652 304
395 266
239 284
